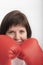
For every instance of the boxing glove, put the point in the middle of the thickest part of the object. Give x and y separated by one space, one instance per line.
31 52
6 43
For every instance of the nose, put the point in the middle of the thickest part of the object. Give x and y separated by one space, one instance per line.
17 36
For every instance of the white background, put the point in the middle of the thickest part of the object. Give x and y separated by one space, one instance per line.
32 9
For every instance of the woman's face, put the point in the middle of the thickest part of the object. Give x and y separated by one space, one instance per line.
17 32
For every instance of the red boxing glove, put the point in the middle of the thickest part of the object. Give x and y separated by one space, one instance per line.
6 43
31 52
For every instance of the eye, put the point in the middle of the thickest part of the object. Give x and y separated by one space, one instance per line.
22 31
11 32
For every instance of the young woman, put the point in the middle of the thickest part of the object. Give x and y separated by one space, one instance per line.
16 25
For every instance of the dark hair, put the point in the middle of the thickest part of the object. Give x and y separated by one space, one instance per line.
15 18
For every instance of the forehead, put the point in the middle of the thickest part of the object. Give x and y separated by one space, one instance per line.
17 27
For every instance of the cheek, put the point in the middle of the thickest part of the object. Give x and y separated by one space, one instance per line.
24 36
12 36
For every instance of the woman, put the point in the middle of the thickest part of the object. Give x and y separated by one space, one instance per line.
16 25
